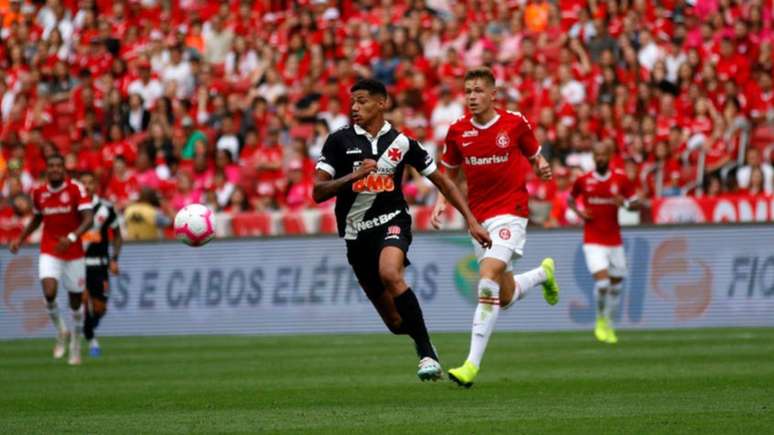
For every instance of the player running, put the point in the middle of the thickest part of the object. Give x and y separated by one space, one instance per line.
64 209
98 261
602 192
495 149
362 166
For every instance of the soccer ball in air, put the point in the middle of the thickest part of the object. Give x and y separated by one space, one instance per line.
195 225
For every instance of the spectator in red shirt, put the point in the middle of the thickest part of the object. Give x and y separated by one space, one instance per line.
663 173
123 187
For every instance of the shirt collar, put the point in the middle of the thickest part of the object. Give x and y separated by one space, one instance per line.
605 177
362 132
58 189
487 125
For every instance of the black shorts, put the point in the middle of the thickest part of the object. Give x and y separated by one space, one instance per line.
363 254
98 282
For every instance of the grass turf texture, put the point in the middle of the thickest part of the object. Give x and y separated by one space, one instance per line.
687 381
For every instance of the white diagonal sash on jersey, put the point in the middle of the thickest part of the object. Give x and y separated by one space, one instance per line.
364 200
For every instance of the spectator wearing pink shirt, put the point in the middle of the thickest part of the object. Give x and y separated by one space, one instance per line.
202 172
225 164
185 193
298 194
146 174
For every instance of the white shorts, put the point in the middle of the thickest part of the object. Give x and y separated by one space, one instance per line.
610 258
70 274
508 233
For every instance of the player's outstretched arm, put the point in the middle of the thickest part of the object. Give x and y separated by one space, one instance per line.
632 204
458 178
118 243
450 191
325 187
33 225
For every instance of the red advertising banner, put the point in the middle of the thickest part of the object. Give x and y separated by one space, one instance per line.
713 209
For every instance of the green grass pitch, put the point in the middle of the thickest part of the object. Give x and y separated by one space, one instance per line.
682 382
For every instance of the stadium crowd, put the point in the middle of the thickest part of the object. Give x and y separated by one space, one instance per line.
229 103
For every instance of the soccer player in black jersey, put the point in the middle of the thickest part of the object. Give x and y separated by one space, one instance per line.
98 261
362 166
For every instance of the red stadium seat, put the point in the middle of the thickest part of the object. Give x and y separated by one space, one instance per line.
328 222
251 224
422 217
293 224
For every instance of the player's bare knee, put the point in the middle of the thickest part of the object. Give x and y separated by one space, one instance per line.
492 269
601 275
49 286
75 300
99 308
392 279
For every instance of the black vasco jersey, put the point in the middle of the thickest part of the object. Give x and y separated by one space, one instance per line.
97 238
377 199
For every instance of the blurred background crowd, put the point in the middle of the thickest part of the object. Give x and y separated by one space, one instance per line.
229 103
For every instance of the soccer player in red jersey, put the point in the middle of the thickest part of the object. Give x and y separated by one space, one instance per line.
65 210
495 149
601 193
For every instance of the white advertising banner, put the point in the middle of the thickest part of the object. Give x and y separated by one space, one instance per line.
679 277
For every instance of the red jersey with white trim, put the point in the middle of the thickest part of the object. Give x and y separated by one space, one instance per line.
61 210
494 160
597 194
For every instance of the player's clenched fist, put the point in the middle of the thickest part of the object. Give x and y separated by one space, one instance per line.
543 168
368 166
63 244
438 211
481 235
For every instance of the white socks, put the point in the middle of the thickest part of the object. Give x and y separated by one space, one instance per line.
484 319
77 322
524 282
56 319
613 300
527 280
602 288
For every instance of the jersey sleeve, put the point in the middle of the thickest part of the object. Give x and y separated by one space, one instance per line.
84 202
452 158
330 159
418 157
112 220
528 144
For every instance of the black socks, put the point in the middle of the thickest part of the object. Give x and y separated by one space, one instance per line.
414 324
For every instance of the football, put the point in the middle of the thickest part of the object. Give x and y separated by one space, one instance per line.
195 225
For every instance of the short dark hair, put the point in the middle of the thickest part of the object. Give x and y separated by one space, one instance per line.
55 156
373 87
481 73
